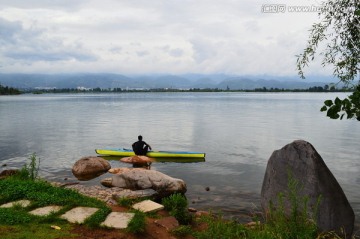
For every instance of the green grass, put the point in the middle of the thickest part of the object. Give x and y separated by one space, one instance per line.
182 231
218 228
16 222
42 193
14 216
38 231
98 217
137 223
125 202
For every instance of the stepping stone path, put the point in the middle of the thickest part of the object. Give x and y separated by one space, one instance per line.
79 214
44 211
21 203
148 206
117 220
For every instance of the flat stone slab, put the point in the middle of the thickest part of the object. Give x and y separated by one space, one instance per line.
44 211
118 220
79 214
21 203
148 206
127 193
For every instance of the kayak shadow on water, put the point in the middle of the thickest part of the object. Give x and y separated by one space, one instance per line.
163 160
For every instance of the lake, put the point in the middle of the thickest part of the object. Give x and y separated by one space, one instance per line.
237 131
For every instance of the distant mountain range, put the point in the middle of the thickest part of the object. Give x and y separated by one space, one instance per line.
186 81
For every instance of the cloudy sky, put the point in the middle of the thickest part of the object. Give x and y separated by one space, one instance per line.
154 36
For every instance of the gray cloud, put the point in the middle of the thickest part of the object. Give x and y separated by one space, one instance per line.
155 36
69 5
142 53
252 25
8 30
176 52
203 49
12 32
48 55
116 50
18 43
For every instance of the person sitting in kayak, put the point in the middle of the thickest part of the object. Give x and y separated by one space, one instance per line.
140 147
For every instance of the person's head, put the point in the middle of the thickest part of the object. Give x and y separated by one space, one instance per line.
140 137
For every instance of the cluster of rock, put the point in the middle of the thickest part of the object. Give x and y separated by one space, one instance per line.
137 181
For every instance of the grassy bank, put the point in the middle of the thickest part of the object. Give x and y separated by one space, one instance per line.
16 222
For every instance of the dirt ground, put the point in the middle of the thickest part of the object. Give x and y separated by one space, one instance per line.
152 230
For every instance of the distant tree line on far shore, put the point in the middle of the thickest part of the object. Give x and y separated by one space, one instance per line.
5 90
326 88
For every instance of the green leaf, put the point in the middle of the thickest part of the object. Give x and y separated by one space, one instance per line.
350 116
357 12
333 112
337 101
346 102
324 108
328 103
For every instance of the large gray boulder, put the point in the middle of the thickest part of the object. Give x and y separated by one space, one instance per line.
139 179
306 166
90 167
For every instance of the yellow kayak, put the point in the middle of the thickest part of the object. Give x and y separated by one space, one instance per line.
154 154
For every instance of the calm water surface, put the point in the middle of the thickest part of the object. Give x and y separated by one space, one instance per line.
238 132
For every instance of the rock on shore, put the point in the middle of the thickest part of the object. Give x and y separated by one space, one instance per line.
139 179
90 167
301 162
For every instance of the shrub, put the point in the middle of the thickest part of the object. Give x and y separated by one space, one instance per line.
175 201
30 171
177 204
